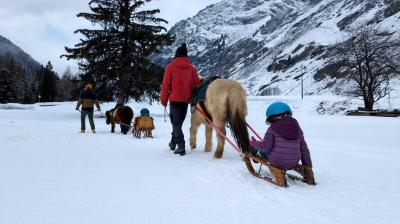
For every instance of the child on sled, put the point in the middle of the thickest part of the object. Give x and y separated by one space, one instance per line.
144 123
283 145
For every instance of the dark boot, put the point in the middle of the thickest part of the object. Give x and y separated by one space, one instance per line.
172 146
180 151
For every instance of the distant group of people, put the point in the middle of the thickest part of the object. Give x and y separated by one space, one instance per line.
283 145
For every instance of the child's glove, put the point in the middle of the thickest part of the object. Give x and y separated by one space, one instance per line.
253 142
253 151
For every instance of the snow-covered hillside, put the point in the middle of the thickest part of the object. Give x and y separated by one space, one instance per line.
22 58
268 44
49 173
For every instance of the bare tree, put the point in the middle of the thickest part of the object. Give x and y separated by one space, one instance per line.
369 58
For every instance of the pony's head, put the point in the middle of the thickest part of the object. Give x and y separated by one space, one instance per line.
108 117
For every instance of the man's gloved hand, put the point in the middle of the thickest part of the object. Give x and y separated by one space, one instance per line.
77 108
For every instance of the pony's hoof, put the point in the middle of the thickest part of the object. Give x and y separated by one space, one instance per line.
207 150
217 155
193 147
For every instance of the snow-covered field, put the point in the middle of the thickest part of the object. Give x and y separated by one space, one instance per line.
49 173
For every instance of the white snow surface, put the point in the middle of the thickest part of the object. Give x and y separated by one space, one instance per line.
50 173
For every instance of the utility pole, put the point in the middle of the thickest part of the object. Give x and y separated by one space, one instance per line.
302 81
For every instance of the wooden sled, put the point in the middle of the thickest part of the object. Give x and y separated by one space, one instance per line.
145 125
279 175
279 178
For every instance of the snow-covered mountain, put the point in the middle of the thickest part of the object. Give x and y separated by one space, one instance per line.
21 57
268 44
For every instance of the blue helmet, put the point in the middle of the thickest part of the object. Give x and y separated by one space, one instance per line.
278 108
145 112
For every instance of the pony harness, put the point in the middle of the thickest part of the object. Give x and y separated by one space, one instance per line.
199 94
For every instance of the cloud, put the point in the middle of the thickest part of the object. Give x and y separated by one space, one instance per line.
44 27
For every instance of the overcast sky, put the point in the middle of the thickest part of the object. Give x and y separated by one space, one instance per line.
43 27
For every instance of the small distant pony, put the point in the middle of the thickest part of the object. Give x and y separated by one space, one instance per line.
121 115
144 124
225 102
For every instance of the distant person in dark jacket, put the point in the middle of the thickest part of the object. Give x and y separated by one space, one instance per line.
283 145
87 99
180 79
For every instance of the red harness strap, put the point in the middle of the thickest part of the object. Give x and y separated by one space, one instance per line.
200 110
258 136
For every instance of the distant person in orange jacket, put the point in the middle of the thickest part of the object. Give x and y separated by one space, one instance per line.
87 99
180 80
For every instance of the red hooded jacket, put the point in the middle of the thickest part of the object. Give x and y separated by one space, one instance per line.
180 79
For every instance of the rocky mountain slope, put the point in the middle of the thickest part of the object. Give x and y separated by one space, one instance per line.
22 58
268 44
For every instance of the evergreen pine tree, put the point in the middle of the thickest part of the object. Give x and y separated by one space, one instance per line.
115 56
7 92
12 80
48 89
68 86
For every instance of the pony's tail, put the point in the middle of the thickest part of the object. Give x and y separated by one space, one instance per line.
237 119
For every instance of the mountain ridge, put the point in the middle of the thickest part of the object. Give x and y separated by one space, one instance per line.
21 57
267 44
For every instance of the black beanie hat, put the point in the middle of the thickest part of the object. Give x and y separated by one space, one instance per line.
181 51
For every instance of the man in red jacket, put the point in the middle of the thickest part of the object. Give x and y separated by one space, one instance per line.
180 79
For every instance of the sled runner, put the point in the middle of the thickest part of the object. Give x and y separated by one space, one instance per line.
279 175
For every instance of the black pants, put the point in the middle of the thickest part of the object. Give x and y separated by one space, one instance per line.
178 111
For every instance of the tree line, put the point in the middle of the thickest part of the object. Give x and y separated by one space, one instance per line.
18 85
113 56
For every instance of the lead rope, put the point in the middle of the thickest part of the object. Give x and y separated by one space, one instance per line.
200 110
102 115
252 130
259 137
165 114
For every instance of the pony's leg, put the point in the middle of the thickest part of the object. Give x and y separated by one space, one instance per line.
126 129
122 128
194 126
112 127
208 146
221 141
